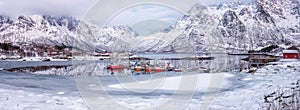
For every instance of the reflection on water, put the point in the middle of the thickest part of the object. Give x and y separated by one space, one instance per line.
33 69
221 63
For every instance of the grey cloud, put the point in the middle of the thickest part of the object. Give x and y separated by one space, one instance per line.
76 8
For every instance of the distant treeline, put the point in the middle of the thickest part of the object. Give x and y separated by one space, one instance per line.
8 46
266 49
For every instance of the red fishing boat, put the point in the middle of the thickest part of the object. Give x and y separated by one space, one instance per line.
116 67
157 70
177 70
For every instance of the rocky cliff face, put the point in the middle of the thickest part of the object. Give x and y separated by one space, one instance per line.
60 31
242 27
227 27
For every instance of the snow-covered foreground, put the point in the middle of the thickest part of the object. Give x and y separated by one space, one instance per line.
20 91
249 90
191 91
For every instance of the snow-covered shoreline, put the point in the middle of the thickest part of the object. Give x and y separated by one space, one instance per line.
237 91
253 87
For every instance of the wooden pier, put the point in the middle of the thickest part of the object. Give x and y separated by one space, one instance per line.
260 60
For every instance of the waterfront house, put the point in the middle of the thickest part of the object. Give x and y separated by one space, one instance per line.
291 53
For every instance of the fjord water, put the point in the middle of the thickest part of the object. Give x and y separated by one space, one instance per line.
41 87
221 63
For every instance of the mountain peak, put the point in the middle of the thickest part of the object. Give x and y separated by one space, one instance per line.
236 27
5 19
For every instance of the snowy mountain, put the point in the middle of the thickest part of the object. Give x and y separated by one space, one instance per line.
236 27
60 31
230 27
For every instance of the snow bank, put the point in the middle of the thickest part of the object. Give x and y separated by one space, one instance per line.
23 100
251 88
156 90
173 83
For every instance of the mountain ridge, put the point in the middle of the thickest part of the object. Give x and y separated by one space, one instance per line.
226 28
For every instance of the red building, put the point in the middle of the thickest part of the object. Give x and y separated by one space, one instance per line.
291 53
54 52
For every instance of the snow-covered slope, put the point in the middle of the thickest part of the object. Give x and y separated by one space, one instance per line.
227 27
60 31
236 27
195 32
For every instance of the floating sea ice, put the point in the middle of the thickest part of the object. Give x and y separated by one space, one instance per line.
60 93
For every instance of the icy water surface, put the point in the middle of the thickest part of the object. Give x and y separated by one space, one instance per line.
221 63
55 85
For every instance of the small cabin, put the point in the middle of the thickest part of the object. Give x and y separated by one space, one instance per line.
291 53
54 52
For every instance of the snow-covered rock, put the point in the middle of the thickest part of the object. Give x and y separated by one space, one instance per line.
60 31
227 27
231 27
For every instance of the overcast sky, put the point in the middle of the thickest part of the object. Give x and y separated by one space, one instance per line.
75 8
147 18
